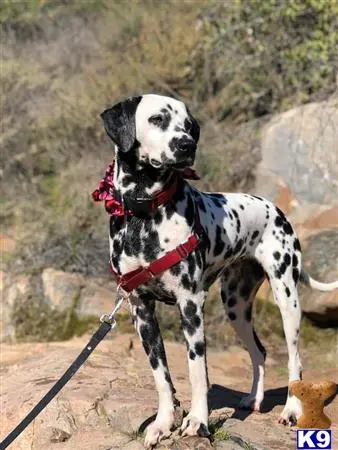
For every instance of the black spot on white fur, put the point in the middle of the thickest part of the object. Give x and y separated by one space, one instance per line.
190 319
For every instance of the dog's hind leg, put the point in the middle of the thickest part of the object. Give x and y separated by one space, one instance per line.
282 264
239 284
191 309
291 315
145 322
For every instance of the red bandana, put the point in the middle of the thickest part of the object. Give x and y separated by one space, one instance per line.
105 190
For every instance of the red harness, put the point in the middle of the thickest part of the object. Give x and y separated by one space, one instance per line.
106 191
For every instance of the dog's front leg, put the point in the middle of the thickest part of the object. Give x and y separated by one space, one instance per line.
145 322
196 422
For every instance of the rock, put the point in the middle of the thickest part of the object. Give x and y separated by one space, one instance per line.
133 445
61 290
80 297
119 440
231 445
300 152
255 433
58 435
87 296
96 300
111 400
12 289
320 256
193 443
325 219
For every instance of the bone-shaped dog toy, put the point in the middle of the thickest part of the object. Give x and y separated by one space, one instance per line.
313 397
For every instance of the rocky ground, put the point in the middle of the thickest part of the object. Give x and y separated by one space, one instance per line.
111 399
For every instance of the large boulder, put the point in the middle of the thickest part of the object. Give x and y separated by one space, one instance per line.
320 259
88 296
299 151
61 290
97 298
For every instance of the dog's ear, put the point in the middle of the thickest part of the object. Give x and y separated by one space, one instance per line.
195 128
119 123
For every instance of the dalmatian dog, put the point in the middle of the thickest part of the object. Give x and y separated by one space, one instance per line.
246 238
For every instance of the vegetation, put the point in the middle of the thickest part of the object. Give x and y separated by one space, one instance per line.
267 56
34 320
217 432
63 62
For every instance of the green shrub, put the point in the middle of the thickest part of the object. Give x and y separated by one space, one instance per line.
264 56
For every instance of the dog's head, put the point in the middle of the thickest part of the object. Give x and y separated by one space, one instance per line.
160 130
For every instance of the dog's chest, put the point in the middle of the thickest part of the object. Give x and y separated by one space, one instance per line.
139 241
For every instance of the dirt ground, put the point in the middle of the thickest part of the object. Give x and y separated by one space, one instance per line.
110 401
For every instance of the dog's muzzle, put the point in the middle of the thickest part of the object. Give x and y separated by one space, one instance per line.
184 151
186 145
183 146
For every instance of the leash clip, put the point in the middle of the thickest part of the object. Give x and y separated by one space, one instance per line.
109 318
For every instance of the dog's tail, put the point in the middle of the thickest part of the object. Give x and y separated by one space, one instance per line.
325 287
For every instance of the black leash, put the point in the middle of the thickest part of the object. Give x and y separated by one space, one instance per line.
108 322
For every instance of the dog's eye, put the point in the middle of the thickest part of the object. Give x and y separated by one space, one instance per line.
156 120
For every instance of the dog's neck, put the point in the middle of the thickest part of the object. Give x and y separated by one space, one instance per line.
134 180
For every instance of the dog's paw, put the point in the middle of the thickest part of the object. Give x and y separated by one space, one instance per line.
291 412
251 401
156 431
191 426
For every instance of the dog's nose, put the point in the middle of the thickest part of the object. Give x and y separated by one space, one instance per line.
187 145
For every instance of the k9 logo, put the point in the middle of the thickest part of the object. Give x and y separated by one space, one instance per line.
314 439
